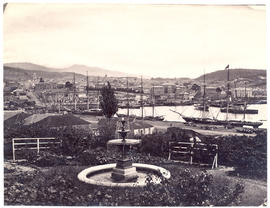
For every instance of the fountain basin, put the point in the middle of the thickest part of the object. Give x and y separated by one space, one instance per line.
101 175
125 142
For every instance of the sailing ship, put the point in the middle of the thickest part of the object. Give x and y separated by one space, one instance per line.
202 106
94 111
153 117
127 106
240 107
214 121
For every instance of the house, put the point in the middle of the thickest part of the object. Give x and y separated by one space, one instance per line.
157 90
141 128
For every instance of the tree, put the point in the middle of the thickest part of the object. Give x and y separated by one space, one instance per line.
195 87
68 85
108 103
218 90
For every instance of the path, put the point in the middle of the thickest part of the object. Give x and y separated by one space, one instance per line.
255 191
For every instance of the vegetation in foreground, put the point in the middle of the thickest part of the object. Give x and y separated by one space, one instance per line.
57 183
59 186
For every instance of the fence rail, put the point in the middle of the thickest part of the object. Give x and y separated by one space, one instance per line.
191 149
32 144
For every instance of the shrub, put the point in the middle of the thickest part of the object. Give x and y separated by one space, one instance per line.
247 154
106 128
97 156
74 141
155 144
48 159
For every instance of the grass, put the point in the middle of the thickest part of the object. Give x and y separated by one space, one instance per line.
255 191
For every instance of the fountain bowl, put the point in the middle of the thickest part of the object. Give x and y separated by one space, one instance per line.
122 142
100 175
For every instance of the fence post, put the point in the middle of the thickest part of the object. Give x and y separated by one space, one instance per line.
214 162
38 146
191 153
169 157
13 149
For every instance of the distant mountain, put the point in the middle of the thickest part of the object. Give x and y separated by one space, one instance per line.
79 69
18 74
28 66
255 76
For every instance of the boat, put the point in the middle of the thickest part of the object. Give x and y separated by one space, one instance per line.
153 117
239 109
261 102
95 111
209 121
214 121
134 106
202 106
92 112
218 104
168 103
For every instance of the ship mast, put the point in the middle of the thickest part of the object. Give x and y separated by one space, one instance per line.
59 103
98 92
235 91
228 91
74 92
204 95
142 105
87 91
141 98
153 101
245 102
127 100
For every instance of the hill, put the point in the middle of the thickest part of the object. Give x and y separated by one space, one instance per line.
79 69
252 76
18 74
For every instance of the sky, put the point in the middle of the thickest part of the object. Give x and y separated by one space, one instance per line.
148 40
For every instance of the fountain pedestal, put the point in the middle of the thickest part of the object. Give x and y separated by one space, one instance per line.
124 171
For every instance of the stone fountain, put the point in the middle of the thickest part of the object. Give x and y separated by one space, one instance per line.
123 173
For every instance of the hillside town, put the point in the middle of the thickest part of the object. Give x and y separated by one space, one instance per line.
39 92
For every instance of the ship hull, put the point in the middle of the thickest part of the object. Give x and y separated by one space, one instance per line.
239 111
221 122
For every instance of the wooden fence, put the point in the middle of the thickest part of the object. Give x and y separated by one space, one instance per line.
192 150
38 144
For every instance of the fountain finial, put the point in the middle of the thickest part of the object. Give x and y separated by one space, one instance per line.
124 129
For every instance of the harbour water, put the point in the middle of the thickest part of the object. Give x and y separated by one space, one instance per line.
214 112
